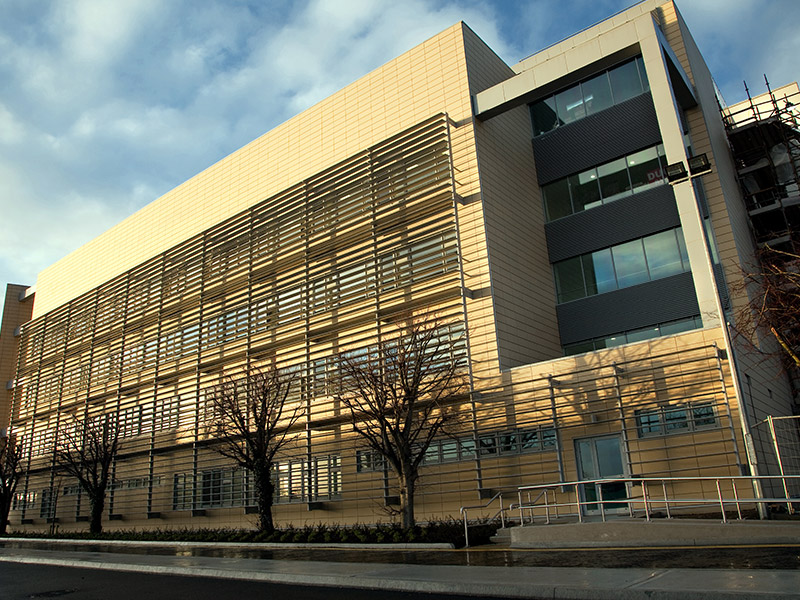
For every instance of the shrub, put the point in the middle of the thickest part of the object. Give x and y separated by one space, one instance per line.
449 531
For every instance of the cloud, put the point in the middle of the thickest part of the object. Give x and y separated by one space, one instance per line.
107 106
743 40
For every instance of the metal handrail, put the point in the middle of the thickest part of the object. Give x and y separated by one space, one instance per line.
648 501
521 506
463 510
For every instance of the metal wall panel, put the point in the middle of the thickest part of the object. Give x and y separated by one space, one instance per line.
638 306
629 218
609 134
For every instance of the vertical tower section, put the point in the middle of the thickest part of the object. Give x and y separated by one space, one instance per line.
523 295
17 310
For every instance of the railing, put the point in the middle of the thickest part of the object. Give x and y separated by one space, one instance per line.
500 513
725 488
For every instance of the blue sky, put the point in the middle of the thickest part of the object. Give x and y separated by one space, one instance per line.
106 105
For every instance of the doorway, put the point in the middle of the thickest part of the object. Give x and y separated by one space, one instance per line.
601 458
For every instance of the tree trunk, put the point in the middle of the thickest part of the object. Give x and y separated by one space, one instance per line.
97 502
264 491
407 485
5 508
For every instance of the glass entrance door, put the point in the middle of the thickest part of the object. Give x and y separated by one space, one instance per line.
601 458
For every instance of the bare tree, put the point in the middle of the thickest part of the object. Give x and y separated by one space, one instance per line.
252 420
10 473
86 450
775 308
401 395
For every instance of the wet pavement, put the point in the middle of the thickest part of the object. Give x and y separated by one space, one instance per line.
782 557
707 573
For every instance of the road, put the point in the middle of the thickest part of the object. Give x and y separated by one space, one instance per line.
27 582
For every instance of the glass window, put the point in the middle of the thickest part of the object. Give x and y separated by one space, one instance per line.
678 326
638 261
548 438
569 105
614 180
644 333
467 448
530 440
675 418
604 279
645 168
589 97
589 277
703 415
597 93
585 190
682 248
509 443
556 199
712 246
630 264
432 454
634 335
578 348
488 445
625 82
612 341
449 450
569 279
642 74
663 254
544 116
648 423
605 183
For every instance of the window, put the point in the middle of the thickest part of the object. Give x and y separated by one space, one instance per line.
624 265
628 80
630 264
47 509
300 480
544 115
516 441
634 335
213 488
182 491
590 96
680 418
368 461
327 480
133 483
23 501
487 444
645 167
605 183
614 180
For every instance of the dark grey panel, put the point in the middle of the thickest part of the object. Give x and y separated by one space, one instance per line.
595 139
638 306
633 217
722 286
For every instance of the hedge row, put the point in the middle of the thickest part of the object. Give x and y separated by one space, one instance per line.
451 531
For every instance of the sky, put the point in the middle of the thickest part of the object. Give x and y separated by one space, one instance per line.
107 105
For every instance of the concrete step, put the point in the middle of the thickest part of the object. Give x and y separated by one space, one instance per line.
502 537
660 532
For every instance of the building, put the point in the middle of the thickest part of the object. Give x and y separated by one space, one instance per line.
765 142
527 206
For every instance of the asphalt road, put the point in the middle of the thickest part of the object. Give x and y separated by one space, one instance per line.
30 582
720 557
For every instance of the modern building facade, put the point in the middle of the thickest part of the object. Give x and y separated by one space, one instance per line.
528 207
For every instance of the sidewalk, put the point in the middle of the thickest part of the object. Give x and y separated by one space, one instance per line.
511 582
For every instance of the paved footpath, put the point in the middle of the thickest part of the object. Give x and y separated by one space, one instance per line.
509 582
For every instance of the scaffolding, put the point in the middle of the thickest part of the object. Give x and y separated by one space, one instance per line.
764 135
